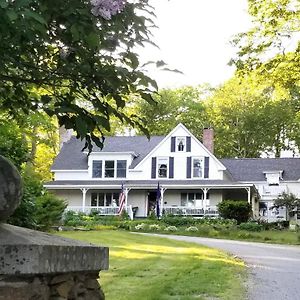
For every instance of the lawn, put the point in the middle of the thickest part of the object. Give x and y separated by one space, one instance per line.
153 268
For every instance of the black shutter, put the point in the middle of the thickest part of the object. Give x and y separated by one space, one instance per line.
153 168
188 144
206 167
173 141
189 167
171 167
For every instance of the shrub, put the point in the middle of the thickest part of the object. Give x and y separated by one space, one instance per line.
49 210
192 229
72 218
178 220
275 225
251 226
238 210
141 226
171 228
154 227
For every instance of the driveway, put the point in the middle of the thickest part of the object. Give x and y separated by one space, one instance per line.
274 269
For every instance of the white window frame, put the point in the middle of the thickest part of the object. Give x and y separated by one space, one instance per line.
202 159
186 200
113 202
167 164
178 140
115 168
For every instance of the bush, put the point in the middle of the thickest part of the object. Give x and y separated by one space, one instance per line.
141 226
192 229
154 227
171 228
280 225
251 226
178 220
238 210
49 210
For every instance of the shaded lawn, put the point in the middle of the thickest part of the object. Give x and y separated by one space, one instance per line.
153 268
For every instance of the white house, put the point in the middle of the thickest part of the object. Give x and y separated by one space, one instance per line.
192 180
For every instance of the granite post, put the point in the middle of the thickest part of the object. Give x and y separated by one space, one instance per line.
37 265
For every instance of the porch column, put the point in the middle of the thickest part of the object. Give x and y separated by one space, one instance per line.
205 190
249 194
126 191
162 191
83 190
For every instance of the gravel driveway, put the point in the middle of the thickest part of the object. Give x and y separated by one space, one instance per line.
274 269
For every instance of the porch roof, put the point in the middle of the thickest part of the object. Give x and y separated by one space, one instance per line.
145 184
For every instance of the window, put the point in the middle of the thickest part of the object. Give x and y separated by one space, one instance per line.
97 169
198 167
109 169
104 199
273 177
112 169
189 199
162 167
121 168
97 199
180 143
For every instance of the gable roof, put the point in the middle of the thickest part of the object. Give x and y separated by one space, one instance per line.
252 169
72 158
164 138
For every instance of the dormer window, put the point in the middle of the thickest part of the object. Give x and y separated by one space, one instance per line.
162 167
97 169
273 177
109 169
180 143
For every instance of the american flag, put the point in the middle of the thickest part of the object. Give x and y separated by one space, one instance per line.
122 199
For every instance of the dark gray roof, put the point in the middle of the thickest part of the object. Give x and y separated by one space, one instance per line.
72 158
251 169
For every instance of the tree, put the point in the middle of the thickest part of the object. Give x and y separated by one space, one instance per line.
55 55
272 45
250 117
287 200
13 144
183 105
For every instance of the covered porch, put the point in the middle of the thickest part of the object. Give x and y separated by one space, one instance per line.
193 198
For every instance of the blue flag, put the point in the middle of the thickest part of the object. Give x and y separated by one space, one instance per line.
158 197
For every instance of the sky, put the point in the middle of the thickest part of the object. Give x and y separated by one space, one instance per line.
193 37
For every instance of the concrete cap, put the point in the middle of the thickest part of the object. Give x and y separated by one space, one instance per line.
25 251
10 188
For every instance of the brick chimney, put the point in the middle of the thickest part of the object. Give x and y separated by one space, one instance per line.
208 139
64 135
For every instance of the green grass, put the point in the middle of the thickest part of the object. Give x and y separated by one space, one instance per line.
266 236
153 268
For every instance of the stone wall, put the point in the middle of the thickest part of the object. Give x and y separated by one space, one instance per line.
77 286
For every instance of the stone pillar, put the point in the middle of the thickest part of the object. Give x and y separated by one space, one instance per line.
37 265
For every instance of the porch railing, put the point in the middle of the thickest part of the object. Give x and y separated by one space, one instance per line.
190 211
174 210
102 210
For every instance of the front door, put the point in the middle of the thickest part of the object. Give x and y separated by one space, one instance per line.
151 202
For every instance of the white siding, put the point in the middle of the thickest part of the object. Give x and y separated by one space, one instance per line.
137 198
71 175
180 158
73 197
